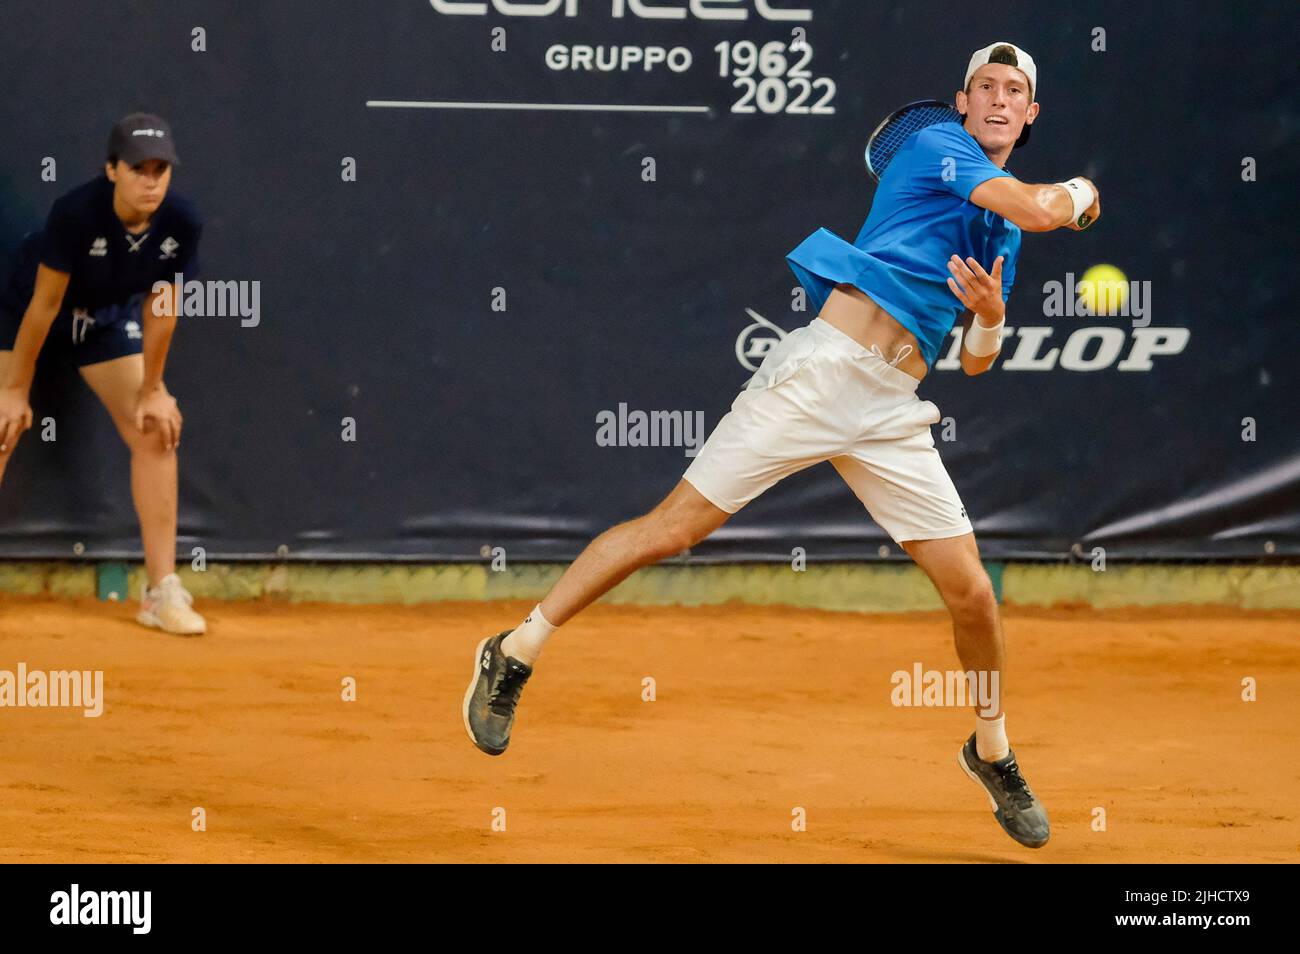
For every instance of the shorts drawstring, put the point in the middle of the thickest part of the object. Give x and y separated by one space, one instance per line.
887 372
903 352
82 319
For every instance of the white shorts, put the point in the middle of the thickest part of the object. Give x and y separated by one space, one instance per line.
819 395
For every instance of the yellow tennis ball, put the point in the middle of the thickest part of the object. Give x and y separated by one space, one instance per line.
1103 289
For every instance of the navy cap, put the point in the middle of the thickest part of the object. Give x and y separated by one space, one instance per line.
142 136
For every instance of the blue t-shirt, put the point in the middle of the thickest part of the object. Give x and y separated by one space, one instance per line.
84 237
920 217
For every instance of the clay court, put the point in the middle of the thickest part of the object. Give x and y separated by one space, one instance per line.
758 710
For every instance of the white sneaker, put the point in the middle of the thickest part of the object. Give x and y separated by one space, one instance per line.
167 607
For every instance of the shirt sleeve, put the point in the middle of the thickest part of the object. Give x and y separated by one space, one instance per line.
949 159
59 239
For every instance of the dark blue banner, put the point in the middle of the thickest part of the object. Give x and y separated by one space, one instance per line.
486 274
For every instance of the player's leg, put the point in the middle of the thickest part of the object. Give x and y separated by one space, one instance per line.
681 520
898 475
153 467
165 603
953 566
503 663
776 427
908 492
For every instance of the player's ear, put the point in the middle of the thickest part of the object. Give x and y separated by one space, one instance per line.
110 170
960 101
1031 114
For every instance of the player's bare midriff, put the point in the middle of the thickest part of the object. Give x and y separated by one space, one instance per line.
849 309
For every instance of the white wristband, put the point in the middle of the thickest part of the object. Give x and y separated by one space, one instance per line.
1081 194
981 341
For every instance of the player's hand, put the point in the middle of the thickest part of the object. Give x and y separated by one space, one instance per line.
977 289
157 409
15 416
1093 212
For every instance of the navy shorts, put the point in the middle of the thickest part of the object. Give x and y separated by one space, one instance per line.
84 336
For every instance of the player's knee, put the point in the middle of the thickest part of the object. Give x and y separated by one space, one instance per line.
972 599
145 445
667 536
671 542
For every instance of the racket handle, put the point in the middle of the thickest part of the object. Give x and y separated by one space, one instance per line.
1084 221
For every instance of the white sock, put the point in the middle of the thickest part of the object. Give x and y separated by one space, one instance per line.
526 641
991 738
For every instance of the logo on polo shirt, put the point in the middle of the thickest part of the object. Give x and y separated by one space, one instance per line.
99 248
169 247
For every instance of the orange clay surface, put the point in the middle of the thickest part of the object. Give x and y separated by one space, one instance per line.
758 710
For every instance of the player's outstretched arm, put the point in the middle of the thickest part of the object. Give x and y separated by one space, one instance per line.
47 297
1040 208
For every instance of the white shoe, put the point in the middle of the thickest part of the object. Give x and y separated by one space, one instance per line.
167 607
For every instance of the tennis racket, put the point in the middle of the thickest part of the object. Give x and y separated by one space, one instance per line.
895 128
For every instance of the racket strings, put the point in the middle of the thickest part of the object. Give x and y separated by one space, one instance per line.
908 121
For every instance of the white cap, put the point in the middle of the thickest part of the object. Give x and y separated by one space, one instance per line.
1011 55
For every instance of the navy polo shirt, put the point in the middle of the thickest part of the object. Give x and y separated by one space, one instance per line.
84 237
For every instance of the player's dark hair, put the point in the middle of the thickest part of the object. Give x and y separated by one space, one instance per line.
1004 54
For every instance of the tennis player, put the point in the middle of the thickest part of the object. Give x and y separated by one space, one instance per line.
939 246
87 282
